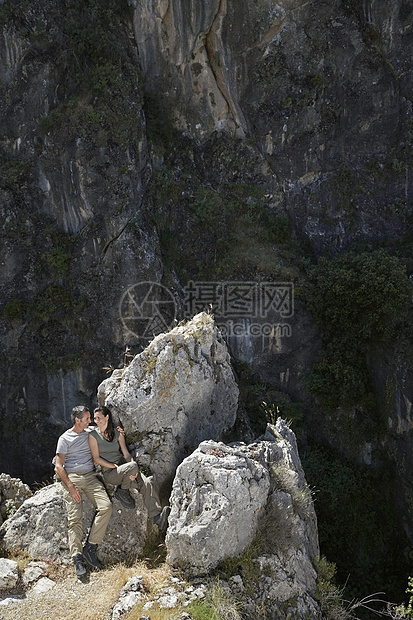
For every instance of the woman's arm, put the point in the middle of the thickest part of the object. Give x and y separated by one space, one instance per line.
93 445
126 454
124 448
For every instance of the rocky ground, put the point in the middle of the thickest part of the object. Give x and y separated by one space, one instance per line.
101 595
243 512
68 598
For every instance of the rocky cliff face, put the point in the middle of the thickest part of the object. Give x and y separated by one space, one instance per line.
186 142
74 167
303 81
265 95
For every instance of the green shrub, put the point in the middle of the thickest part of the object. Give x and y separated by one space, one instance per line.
58 259
358 299
219 604
357 523
359 296
327 594
56 302
398 612
12 172
14 310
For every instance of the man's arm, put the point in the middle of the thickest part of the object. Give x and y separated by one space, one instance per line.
61 472
124 448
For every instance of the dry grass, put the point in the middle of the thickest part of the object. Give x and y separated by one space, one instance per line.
72 599
94 597
154 579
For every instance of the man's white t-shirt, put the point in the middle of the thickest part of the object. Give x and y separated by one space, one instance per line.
75 447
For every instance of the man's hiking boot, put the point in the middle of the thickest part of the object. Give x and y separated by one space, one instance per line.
124 497
80 568
90 555
161 520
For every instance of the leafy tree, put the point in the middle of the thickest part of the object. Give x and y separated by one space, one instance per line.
358 299
358 523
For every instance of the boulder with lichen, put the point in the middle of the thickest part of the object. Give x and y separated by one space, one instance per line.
179 391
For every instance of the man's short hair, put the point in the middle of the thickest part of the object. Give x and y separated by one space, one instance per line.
77 412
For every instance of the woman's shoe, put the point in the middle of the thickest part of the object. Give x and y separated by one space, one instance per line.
90 555
124 497
161 520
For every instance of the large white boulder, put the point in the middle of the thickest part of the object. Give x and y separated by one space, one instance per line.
39 527
224 496
218 495
179 391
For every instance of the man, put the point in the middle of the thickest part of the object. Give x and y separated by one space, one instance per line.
75 468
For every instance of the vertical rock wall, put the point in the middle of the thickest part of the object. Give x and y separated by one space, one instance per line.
74 169
308 102
304 81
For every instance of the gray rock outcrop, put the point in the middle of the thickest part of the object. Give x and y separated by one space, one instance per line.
129 596
212 489
226 501
41 587
39 527
33 572
9 573
13 492
178 392
225 495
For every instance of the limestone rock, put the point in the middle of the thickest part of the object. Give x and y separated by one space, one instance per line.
9 573
174 592
32 573
224 495
289 490
39 527
42 586
212 488
128 597
178 392
13 492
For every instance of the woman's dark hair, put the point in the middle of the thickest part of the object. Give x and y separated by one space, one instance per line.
110 429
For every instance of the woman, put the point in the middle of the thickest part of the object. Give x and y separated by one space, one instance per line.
106 444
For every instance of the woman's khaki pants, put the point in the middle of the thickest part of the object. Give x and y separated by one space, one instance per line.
120 476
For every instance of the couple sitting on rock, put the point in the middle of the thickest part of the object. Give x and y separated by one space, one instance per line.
77 450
